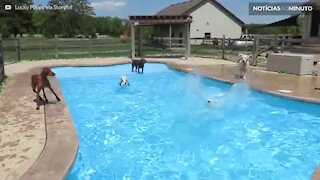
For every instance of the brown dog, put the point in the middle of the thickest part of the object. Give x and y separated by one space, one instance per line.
39 82
138 64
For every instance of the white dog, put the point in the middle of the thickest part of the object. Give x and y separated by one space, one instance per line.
124 81
243 65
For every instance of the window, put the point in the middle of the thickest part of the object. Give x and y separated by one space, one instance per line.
207 35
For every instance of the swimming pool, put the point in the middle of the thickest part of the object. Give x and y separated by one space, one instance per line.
161 127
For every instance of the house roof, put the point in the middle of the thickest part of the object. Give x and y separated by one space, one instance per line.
293 20
179 8
187 7
156 20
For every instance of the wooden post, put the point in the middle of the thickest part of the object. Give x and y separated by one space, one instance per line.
188 45
170 33
275 43
2 74
41 50
56 46
246 40
290 42
90 46
133 43
140 41
255 51
223 45
282 45
18 49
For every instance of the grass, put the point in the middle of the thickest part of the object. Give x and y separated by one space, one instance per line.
40 48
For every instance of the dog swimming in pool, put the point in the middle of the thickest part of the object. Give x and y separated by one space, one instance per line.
124 81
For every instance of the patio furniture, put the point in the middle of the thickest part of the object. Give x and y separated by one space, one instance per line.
291 63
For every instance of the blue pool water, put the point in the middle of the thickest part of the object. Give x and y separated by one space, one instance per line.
161 127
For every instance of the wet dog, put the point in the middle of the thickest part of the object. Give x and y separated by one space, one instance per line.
124 81
243 64
138 64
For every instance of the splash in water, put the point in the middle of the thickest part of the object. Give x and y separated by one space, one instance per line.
237 98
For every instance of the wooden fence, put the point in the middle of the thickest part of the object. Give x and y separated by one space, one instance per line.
273 43
18 49
222 44
259 46
2 75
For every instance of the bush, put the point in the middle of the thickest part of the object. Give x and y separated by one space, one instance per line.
5 31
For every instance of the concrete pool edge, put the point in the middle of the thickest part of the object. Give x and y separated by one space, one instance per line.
53 150
61 143
256 88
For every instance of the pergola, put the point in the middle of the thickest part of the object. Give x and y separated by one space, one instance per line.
139 21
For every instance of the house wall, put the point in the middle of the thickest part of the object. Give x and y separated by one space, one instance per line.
311 26
208 18
315 24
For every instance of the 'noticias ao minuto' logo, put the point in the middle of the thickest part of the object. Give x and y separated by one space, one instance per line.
279 8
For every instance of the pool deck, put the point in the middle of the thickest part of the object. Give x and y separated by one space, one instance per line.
42 144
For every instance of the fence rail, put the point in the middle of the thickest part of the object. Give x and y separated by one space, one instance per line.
275 43
18 49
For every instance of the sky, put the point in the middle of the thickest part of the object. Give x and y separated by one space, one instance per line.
125 8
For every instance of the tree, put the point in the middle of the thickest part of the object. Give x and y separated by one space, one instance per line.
68 23
17 21
5 31
109 26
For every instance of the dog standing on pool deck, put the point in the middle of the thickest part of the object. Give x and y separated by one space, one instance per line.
243 65
124 81
41 81
138 64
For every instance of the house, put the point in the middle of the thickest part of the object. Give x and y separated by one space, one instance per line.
209 20
310 29
311 24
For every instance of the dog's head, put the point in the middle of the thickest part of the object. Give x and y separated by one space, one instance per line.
47 71
124 80
244 58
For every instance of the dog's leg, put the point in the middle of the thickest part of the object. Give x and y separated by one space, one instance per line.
132 67
35 90
142 71
44 95
58 99
38 99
